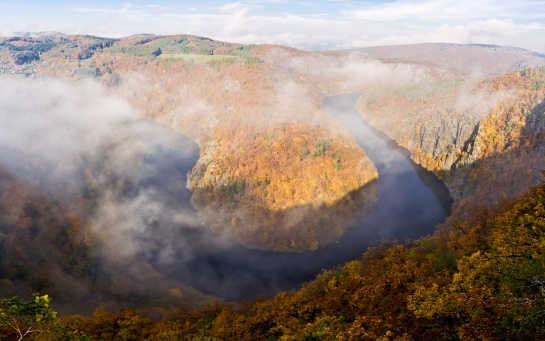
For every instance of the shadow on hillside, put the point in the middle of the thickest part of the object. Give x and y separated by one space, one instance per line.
407 206
490 180
298 228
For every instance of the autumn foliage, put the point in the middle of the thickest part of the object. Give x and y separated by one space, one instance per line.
483 138
286 187
270 158
478 279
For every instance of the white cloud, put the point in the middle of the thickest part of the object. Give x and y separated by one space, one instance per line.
502 22
236 20
410 10
445 10
490 31
351 2
232 7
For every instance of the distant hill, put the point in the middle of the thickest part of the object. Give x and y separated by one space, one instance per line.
474 60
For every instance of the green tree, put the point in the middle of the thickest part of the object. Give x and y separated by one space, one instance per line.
26 317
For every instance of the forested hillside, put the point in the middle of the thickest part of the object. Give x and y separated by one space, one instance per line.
54 247
284 177
483 138
476 279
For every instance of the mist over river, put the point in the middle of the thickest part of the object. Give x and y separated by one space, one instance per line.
410 203
129 176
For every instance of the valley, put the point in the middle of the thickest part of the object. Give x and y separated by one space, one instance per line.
220 172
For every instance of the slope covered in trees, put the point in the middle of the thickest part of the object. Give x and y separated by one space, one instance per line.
483 138
480 278
282 176
53 247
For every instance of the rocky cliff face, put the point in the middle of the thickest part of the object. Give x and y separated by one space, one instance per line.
483 138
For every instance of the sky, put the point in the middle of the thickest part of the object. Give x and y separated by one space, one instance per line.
309 25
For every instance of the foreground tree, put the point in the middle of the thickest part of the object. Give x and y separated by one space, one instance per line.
22 318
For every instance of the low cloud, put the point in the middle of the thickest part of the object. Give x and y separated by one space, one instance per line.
72 138
55 122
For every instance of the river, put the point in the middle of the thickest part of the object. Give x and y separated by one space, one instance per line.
410 203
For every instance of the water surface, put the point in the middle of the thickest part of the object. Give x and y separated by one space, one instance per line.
410 203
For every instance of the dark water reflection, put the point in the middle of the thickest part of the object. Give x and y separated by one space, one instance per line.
410 203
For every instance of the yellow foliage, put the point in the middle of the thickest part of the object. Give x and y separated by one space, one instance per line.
279 194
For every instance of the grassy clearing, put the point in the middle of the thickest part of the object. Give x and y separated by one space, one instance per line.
198 58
